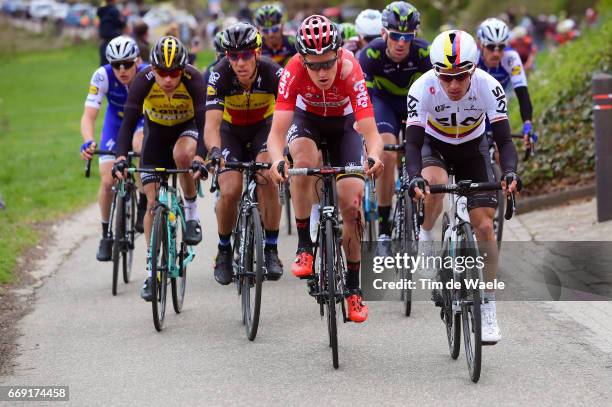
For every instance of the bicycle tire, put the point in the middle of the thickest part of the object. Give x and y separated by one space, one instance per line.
119 234
128 249
452 321
498 221
159 265
287 204
254 264
470 308
178 284
408 239
332 325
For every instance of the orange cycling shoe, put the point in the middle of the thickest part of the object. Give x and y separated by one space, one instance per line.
357 310
302 265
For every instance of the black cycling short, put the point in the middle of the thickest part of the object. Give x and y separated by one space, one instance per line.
244 143
158 145
344 144
470 160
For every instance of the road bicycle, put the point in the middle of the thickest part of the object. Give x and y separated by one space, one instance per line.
461 303
122 220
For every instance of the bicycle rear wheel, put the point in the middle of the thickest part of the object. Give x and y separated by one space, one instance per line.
128 247
452 320
119 235
253 273
330 279
470 306
178 284
159 263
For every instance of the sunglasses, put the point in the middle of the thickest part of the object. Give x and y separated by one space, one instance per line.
459 77
175 73
244 55
398 36
495 47
125 64
270 30
317 66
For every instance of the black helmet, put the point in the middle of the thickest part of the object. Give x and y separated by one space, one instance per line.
268 15
169 54
401 16
240 37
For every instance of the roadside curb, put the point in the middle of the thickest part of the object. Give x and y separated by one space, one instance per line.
530 204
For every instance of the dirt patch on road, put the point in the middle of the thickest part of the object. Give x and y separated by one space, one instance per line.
17 299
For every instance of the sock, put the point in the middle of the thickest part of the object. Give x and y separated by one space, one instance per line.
225 241
489 296
426 235
191 208
142 201
352 274
271 239
384 228
104 229
303 229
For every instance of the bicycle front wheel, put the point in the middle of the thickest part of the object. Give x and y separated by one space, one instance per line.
287 204
451 319
178 284
128 247
253 272
159 265
409 241
470 305
330 276
119 236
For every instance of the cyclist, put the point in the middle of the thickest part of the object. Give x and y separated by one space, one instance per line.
241 94
277 46
522 43
369 27
504 64
321 94
219 53
111 81
446 119
391 64
172 96
350 37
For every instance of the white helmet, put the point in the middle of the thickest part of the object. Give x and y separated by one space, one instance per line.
493 31
566 26
122 48
369 23
519 32
453 49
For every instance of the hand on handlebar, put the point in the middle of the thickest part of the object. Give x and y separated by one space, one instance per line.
417 188
279 171
87 149
374 166
119 168
511 183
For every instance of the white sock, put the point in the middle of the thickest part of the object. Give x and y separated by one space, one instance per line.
425 235
191 210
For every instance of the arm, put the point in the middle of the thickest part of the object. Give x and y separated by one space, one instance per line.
212 134
526 108
277 139
415 137
507 151
373 142
88 124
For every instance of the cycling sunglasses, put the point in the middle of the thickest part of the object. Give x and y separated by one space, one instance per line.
398 36
244 55
270 30
317 66
495 47
459 77
125 64
175 73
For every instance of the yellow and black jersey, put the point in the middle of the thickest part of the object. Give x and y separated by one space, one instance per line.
188 102
243 107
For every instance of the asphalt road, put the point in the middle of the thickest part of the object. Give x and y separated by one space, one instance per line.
107 350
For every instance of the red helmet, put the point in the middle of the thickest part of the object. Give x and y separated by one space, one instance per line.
317 35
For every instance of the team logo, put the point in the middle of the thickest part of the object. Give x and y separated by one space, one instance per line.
499 95
93 90
214 77
432 90
516 70
362 93
211 91
282 84
412 104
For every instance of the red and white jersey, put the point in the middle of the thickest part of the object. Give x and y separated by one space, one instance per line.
348 93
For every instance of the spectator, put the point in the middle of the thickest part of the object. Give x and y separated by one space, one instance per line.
523 44
566 31
141 35
111 26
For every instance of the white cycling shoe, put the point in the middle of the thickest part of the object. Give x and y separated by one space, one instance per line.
490 329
